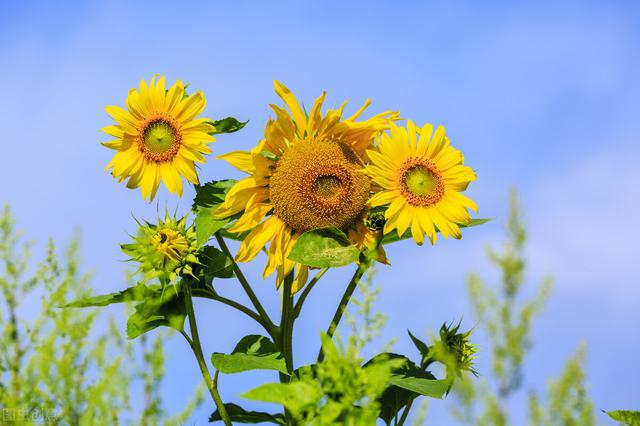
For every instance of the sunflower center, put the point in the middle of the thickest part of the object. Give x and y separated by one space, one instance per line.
159 138
421 182
318 183
326 186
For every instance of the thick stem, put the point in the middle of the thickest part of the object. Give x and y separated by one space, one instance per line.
243 281
346 297
286 336
197 351
286 324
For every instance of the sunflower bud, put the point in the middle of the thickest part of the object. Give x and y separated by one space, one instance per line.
165 251
453 350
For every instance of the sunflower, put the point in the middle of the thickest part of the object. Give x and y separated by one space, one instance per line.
420 176
307 173
158 137
164 250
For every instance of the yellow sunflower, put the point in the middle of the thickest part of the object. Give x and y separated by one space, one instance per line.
158 137
307 173
420 176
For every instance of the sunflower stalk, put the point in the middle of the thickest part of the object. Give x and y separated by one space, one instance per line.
194 342
286 336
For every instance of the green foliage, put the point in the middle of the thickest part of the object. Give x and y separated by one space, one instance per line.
324 248
629 418
228 125
55 366
252 352
508 320
568 404
167 309
240 415
215 264
208 198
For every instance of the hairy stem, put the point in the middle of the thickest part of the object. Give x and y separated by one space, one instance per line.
197 351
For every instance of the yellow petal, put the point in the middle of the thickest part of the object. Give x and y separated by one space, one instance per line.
293 105
256 240
171 178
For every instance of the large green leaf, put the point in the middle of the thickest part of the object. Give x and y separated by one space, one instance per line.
139 292
215 263
295 396
392 237
228 125
240 415
394 398
425 385
253 352
208 198
628 417
167 309
324 248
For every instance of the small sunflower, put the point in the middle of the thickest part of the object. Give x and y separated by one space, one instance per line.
158 137
164 250
420 176
307 173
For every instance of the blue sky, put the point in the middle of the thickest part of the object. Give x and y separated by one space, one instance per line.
539 95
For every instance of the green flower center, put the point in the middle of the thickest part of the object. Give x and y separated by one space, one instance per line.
327 186
420 181
159 136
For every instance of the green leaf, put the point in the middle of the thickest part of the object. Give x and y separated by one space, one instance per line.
215 263
324 248
228 125
167 309
208 198
207 224
392 237
628 417
425 385
212 194
422 347
240 415
253 352
295 396
139 292
394 398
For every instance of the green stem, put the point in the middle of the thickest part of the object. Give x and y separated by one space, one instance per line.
346 297
405 413
213 295
197 351
245 284
286 336
286 323
306 291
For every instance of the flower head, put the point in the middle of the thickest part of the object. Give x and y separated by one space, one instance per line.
158 137
164 250
419 176
454 349
307 173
